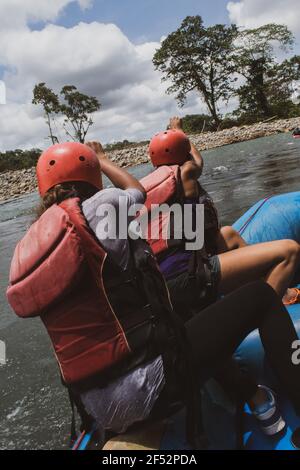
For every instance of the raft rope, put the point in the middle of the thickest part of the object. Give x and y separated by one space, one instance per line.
84 439
78 441
245 225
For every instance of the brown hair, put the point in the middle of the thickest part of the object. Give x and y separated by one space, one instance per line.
64 191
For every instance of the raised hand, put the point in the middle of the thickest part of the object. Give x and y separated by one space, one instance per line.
98 149
175 123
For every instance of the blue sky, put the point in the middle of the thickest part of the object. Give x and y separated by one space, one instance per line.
145 20
106 50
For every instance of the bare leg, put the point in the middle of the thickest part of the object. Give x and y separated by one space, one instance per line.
229 239
276 262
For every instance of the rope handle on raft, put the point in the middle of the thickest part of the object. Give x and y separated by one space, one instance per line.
78 441
245 225
84 439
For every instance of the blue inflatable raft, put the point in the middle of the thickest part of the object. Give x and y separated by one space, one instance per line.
273 218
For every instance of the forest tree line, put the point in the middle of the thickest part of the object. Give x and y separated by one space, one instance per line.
252 70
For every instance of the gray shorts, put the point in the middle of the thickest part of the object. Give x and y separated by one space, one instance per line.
187 293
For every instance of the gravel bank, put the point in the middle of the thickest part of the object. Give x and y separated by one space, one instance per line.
16 183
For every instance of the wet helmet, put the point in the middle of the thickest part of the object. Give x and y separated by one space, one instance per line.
70 161
170 147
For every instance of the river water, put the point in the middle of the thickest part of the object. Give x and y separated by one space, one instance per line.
34 409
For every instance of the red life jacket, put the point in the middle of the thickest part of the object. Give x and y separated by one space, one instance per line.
99 319
164 186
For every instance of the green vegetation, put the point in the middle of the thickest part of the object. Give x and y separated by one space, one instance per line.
223 62
69 110
18 159
124 144
72 107
196 58
219 63
193 123
267 84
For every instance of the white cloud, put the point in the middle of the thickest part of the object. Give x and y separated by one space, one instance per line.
100 60
253 13
17 13
20 128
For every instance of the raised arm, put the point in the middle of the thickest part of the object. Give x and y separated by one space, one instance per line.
118 176
197 157
194 167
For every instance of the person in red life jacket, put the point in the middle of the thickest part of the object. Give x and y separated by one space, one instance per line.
123 353
226 262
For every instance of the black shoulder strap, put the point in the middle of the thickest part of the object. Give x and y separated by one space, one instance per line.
86 420
240 424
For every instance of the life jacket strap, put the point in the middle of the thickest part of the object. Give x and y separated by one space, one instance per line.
86 420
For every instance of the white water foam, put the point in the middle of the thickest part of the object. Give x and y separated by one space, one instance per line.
221 168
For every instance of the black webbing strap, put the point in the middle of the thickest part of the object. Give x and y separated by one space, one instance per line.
240 424
86 420
192 388
73 432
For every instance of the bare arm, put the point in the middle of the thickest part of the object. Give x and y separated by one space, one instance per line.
195 166
197 157
118 176
190 173
192 169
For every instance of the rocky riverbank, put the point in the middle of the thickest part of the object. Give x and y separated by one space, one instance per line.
14 184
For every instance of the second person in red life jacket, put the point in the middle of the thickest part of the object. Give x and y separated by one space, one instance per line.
122 352
226 261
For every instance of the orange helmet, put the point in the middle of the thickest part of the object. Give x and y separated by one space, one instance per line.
170 147
70 161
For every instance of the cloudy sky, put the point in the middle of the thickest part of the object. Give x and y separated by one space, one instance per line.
105 47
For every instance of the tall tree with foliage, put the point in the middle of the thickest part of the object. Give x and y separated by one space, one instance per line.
199 58
74 107
49 100
77 109
192 123
256 62
280 80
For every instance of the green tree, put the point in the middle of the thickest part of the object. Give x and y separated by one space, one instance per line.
73 106
18 159
77 109
197 123
42 95
280 80
256 61
199 58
